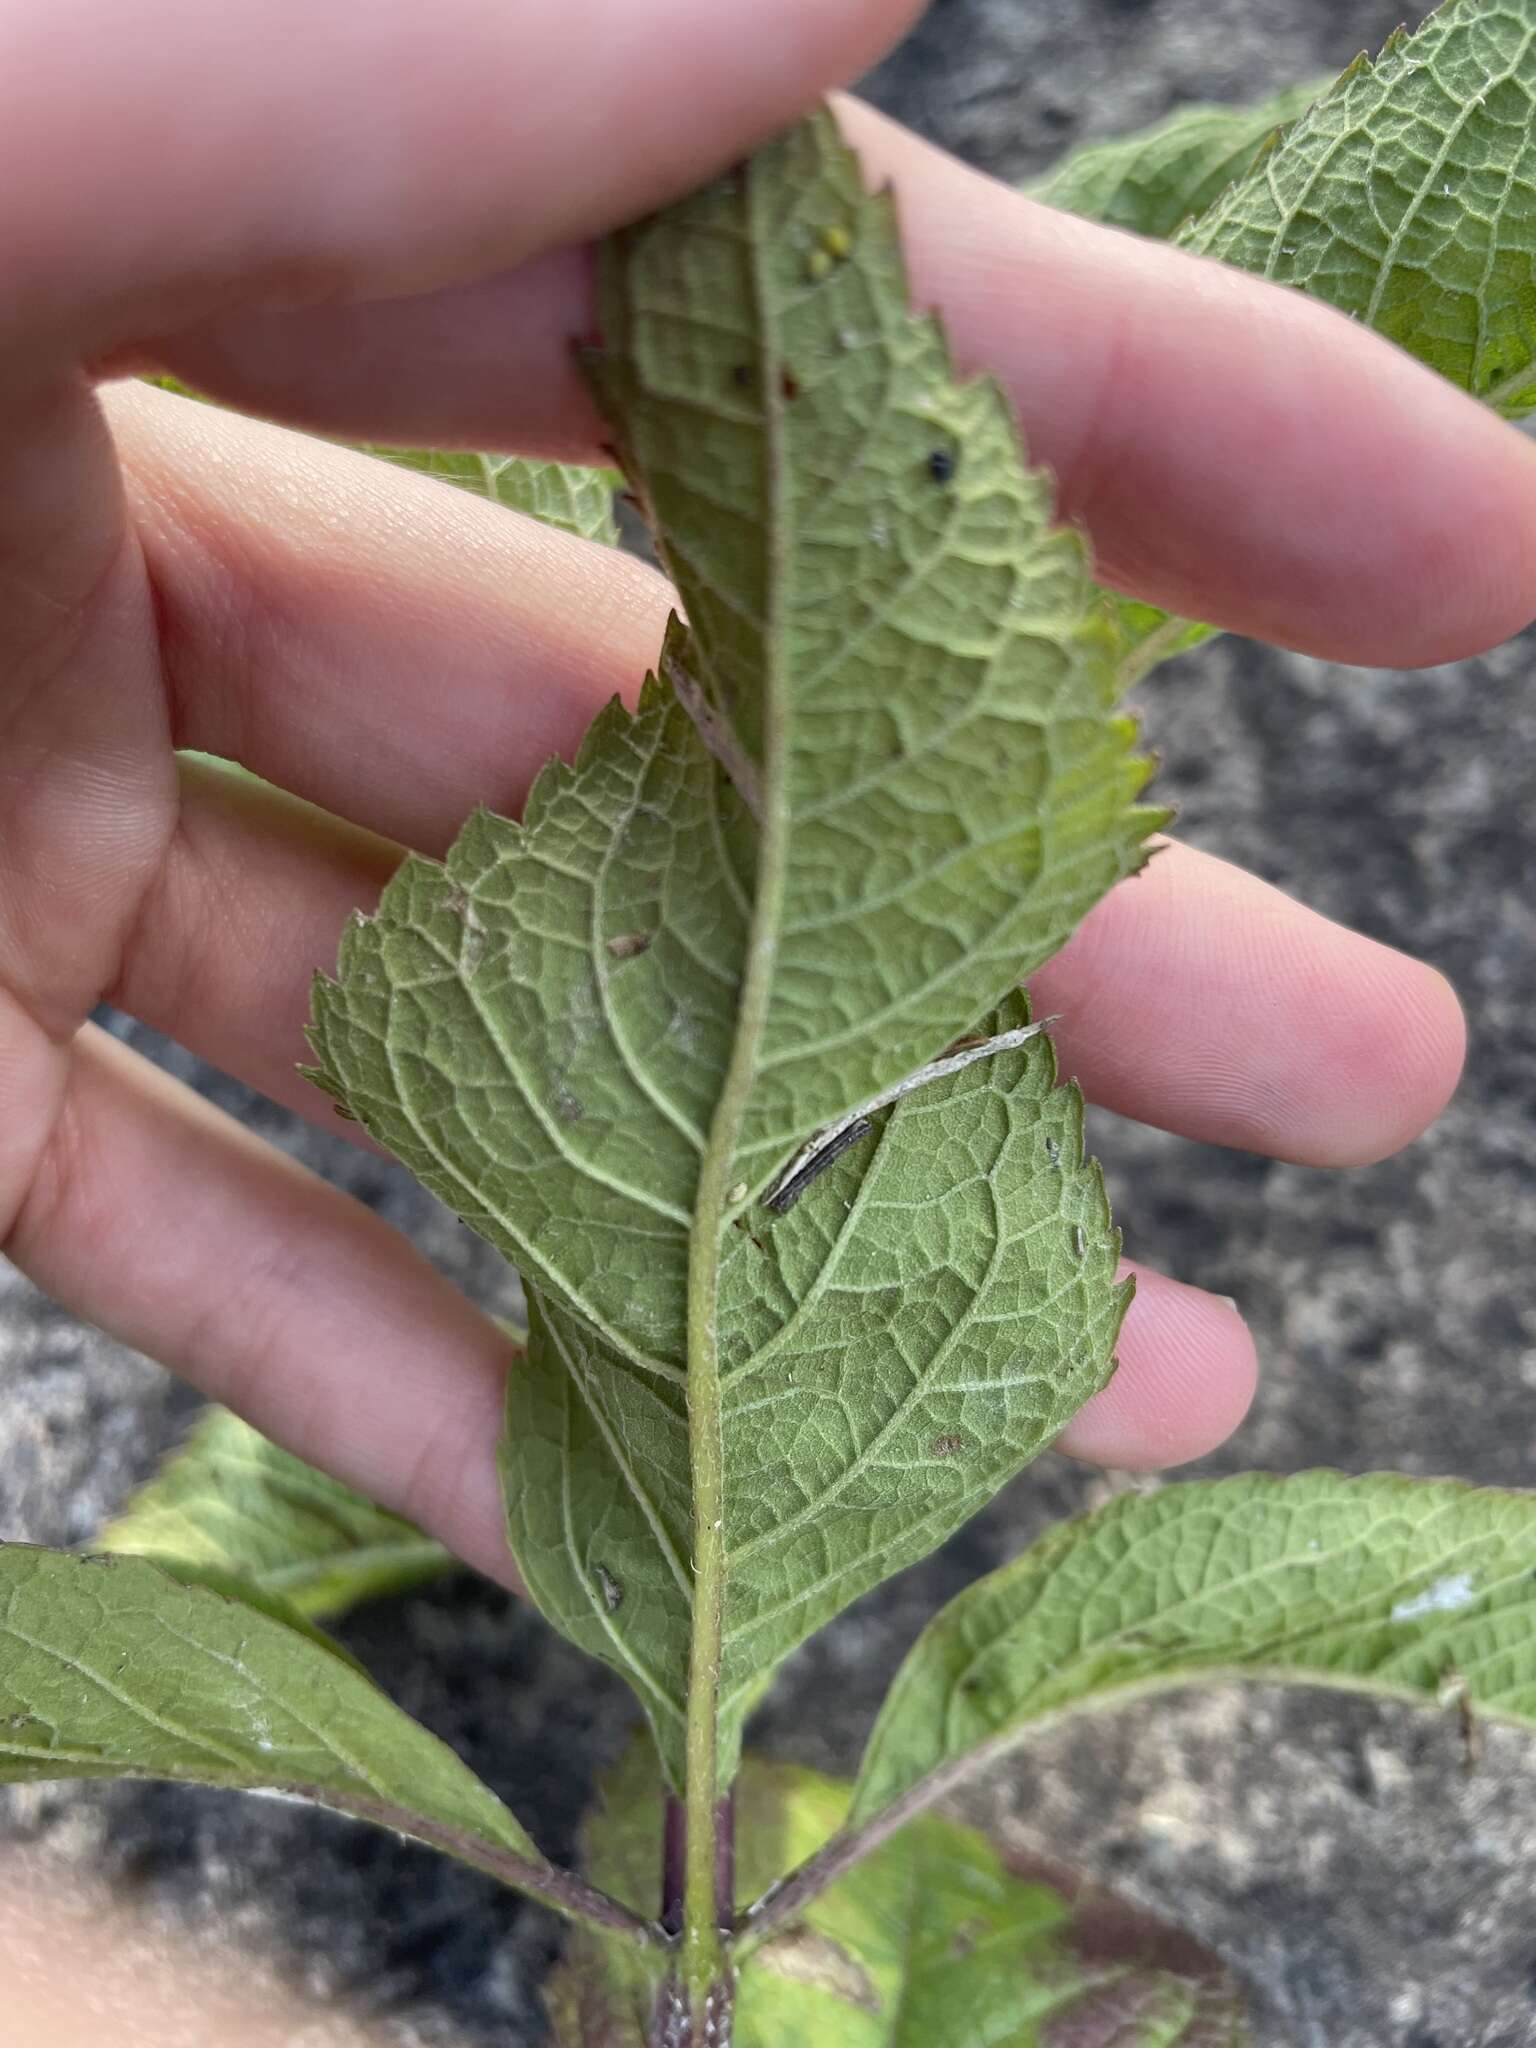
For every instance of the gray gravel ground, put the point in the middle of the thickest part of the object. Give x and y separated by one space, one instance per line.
1369 1885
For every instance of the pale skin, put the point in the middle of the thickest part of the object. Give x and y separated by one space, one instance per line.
349 222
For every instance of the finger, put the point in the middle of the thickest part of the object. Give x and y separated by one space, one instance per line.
1195 997
1236 451
158 162
388 647
248 906
1200 999
1185 1380
85 1960
161 1220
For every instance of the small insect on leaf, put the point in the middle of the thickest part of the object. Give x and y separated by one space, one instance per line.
784 1198
941 466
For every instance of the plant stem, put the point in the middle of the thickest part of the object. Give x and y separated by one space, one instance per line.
562 1890
703 1958
787 1900
703 1965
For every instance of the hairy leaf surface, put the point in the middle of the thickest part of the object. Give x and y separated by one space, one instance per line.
1405 196
110 1669
1409 1587
231 1504
892 1349
1154 181
895 651
939 1941
877 780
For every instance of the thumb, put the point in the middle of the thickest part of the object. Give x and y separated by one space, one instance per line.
161 162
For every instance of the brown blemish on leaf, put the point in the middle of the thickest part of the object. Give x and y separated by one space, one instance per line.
803 1956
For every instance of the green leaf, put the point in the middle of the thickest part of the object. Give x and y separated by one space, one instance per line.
1405 196
938 1941
575 499
1154 181
111 1669
229 1505
897 656
1413 1588
892 1350
877 781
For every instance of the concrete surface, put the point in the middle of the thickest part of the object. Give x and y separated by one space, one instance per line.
1371 1886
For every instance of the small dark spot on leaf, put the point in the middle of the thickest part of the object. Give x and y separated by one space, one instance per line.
628 945
789 384
1053 1151
941 465
741 374
965 1938
947 1446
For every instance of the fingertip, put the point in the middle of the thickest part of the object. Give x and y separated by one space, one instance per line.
1388 1054
1186 1378
1202 1000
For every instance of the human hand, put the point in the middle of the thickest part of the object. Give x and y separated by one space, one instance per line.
348 223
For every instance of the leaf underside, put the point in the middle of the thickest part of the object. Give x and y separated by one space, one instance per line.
1152 182
878 780
1407 1587
110 1668
939 1941
1404 195
230 1504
